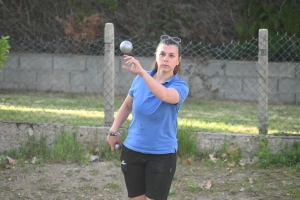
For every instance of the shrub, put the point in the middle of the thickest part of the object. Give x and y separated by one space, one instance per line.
4 48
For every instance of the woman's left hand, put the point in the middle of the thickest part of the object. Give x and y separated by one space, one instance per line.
135 67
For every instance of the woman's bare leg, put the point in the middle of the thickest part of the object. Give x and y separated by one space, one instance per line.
142 197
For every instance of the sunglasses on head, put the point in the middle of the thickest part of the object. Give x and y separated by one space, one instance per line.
177 40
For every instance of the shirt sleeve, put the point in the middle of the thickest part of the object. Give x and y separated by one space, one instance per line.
133 87
182 89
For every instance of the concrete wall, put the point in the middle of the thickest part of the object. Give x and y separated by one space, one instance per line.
12 135
247 143
221 79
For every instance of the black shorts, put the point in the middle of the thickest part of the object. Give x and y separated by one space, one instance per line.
148 174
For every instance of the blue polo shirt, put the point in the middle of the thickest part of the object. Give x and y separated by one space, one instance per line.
153 128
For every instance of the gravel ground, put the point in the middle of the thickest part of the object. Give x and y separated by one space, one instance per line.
104 180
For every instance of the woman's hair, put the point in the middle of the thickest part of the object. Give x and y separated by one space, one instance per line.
177 69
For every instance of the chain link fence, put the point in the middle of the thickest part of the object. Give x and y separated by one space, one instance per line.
252 86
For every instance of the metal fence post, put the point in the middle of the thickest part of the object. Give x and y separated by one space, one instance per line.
263 81
109 75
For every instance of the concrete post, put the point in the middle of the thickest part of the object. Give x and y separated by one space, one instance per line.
109 74
262 89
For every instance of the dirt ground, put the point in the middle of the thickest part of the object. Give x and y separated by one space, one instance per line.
104 180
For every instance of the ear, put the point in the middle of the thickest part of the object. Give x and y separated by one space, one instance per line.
179 59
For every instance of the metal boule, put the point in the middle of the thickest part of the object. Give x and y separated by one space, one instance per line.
126 46
117 147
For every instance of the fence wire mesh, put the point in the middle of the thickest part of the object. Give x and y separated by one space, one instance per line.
69 81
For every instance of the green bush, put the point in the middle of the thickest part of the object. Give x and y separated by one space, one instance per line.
281 18
4 49
276 16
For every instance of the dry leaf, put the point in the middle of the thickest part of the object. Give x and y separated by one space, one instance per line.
231 149
250 180
231 165
12 161
33 160
212 157
187 161
206 186
190 160
224 156
242 163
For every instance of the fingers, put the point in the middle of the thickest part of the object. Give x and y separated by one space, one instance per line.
120 142
112 147
132 64
127 68
130 60
112 141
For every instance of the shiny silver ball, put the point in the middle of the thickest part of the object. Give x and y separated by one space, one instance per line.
126 46
117 147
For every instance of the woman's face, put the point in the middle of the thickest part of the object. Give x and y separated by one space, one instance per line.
167 57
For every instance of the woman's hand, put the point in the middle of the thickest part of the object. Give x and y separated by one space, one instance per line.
135 66
113 140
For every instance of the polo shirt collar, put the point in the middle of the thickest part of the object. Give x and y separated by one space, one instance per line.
167 81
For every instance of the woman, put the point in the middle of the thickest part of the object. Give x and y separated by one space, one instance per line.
148 158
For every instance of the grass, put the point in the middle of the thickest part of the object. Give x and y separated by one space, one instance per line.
67 148
194 187
112 186
269 178
288 158
195 114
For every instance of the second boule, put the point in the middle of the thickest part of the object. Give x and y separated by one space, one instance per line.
126 46
117 147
